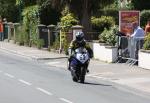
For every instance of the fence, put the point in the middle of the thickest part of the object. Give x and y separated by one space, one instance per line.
50 34
128 48
91 35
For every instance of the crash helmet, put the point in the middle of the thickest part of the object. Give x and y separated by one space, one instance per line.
79 36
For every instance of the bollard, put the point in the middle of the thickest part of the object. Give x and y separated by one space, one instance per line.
16 25
50 36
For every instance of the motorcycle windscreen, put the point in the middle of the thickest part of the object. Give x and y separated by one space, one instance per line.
82 57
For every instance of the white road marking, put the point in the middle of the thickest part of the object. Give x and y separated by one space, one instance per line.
57 64
9 75
94 74
25 82
132 80
65 100
52 63
102 78
44 91
103 73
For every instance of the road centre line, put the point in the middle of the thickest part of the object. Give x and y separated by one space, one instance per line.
44 91
25 82
65 100
9 75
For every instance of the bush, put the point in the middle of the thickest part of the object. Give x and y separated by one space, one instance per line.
99 24
56 44
147 42
30 22
40 43
21 36
67 21
108 36
145 15
112 12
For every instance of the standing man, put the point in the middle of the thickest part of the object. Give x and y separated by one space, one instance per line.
1 31
136 40
138 31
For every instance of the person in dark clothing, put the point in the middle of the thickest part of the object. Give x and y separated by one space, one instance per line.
79 42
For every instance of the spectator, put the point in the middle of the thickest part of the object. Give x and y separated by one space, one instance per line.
147 27
1 30
136 40
137 31
5 26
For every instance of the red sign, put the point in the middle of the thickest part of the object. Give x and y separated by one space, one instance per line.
126 19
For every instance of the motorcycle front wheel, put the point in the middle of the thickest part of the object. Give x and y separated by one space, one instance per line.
82 76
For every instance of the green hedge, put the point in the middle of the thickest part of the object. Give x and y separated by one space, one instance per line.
113 12
99 24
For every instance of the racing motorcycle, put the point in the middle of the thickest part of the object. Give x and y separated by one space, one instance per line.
78 64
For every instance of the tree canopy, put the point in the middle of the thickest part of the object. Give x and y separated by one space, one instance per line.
140 4
8 9
82 8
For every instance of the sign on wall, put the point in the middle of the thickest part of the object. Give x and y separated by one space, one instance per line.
126 19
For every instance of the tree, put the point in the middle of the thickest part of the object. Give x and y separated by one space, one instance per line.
48 15
8 9
26 2
140 4
82 8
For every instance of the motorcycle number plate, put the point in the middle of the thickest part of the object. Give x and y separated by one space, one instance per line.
82 57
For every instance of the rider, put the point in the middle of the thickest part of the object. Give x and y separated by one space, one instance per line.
79 42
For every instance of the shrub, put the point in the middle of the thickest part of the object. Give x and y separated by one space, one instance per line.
67 21
145 15
108 36
30 22
21 36
147 42
40 43
112 12
102 36
56 44
99 24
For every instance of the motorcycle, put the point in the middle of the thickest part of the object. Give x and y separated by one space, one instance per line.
78 64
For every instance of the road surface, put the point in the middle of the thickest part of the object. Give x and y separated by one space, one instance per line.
23 80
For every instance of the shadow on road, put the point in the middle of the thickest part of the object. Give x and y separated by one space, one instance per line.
97 84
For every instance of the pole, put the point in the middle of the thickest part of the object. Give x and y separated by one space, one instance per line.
60 48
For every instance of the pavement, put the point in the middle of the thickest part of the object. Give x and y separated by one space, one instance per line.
137 79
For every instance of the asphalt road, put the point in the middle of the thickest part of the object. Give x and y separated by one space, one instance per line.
30 81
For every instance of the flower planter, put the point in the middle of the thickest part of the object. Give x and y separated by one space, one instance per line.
105 53
144 59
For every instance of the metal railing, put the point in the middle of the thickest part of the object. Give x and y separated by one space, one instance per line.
128 48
